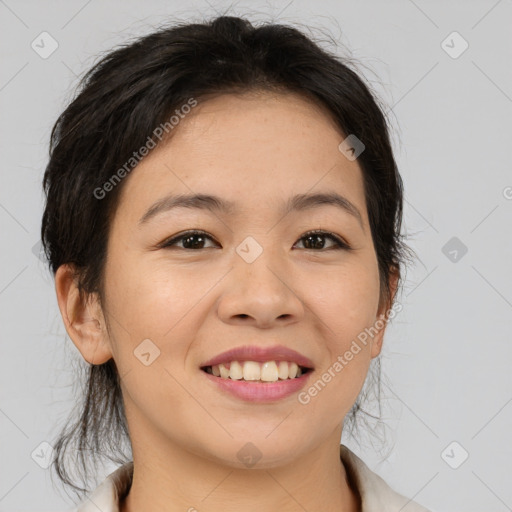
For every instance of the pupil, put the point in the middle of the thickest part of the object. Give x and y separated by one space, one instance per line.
317 241
191 237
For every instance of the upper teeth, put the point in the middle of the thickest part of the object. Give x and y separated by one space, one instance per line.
269 371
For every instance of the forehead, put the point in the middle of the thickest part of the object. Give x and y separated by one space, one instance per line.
249 148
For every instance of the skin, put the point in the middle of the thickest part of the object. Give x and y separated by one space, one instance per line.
256 150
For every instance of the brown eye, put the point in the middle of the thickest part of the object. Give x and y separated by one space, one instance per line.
315 240
191 240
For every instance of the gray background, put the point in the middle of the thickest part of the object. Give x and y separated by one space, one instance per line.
447 355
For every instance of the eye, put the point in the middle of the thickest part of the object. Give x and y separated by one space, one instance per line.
314 240
195 239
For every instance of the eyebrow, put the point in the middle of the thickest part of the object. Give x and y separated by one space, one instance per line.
216 204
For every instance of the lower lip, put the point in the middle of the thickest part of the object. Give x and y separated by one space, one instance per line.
260 391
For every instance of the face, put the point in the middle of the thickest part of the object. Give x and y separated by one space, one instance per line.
252 277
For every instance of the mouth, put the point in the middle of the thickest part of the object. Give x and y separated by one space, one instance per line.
258 363
255 371
264 382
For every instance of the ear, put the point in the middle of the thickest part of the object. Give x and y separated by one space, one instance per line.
84 323
381 321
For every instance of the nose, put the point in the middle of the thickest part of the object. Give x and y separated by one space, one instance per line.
261 293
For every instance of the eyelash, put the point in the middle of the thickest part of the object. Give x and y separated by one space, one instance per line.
339 243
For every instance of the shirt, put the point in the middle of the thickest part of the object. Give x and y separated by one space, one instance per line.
376 494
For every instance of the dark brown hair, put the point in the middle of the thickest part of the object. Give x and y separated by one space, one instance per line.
120 102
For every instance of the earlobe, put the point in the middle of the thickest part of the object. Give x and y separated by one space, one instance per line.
84 322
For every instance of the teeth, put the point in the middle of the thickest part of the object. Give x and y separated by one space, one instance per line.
235 371
282 372
224 372
269 371
251 370
292 370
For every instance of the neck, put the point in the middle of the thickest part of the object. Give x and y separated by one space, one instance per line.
174 480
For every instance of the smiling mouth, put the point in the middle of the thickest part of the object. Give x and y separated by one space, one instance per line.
252 371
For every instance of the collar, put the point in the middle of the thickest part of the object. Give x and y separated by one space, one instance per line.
376 494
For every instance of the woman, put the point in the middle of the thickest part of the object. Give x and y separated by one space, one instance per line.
223 221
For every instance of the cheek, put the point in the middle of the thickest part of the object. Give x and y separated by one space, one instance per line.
345 298
154 302
150 299
147 315
344 306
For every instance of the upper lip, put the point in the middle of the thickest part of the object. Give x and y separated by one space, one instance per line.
260 354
